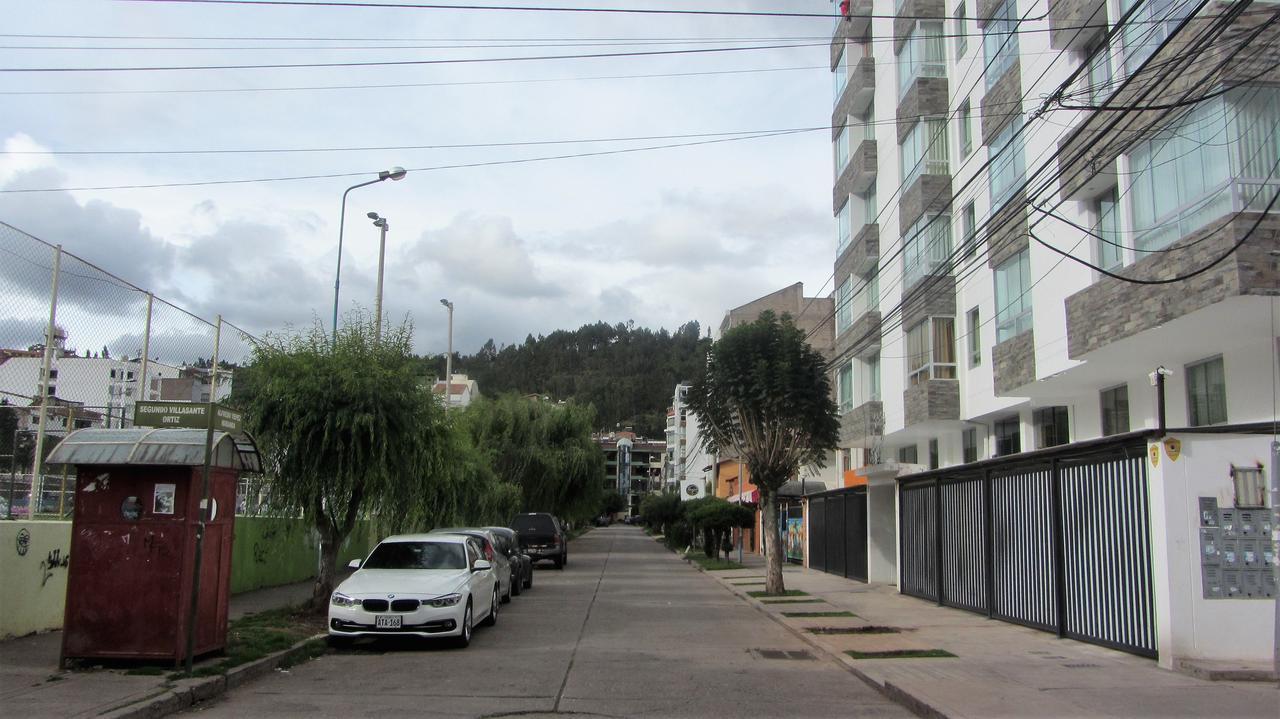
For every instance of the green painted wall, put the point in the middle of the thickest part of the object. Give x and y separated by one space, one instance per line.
270 551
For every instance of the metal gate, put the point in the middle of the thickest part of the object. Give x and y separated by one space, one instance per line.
1058 543
838 534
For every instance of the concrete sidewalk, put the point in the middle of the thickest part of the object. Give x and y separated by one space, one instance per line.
999 669
31 685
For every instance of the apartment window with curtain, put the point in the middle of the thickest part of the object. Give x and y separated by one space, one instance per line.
1213 161
1115 410
1000 41
843 227
969 230
1007 170
869 379
974 329
969 445
1013 296
841 147
1052 428
965 119
924 150
846 388
908 455
924 54
1206 393
1008 435
962 31
844 305
926 249
931 350
1110 250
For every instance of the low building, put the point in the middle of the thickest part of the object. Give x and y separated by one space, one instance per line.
462 390
633 466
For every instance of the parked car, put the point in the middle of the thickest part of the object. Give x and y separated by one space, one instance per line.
424 585
521 563
604 520
542 536
501 562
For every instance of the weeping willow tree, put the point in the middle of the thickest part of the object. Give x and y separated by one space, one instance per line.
347 431
765 395
544 449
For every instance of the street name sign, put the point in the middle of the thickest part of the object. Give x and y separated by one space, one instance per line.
189 415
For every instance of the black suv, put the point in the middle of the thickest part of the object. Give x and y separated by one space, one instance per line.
542 536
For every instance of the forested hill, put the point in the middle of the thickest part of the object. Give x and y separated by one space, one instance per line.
629 373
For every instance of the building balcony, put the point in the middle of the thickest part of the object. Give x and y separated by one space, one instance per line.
925 194
855 26
925 96
931 400
859 90
1013 363
862 338
906 12
1076 24
863 425
861 255
937 299
1008 232
1110 310
858 174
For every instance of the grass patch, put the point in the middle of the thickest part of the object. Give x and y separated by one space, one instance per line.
712 564
258 635
803 615
785 593
853 630
902 654
815 600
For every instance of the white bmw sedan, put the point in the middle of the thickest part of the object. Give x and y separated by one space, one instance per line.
425 585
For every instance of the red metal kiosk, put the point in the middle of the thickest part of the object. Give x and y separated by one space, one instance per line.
134 535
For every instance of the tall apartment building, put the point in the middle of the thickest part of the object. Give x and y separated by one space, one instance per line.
687 463
978 142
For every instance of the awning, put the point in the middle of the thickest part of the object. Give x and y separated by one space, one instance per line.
148 446
752 497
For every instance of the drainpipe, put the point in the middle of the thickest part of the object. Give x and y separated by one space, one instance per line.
1157 380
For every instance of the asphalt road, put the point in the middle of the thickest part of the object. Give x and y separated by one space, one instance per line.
626 629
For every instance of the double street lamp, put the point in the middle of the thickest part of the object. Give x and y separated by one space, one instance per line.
395 173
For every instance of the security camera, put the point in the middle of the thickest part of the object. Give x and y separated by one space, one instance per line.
1160 372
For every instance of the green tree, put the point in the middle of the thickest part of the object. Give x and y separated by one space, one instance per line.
715 518
612 503
661 510
346 431
764 395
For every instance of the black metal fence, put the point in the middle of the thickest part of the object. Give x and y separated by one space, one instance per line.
838 533
1058 541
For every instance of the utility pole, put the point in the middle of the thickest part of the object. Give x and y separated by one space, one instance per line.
382 224
448 359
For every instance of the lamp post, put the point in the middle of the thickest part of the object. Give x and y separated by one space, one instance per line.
382 224
395 173
448 359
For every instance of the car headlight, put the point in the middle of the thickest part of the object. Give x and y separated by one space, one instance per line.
341 600
447 600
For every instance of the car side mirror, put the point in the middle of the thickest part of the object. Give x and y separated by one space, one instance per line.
353 564
481 565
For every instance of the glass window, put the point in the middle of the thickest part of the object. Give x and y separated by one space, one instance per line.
931 350
1052 428
1115 410
1000 41
1206 393
1008 433
924 54
869 384
1148 27
841 147
969 230
1007 170
1099 75
843 227
846 388
867 295
965 116
969 445
907 455
926 250
416 555
975 338
840 74
962 31
924 150
933 454
1013 297
1110 252
844 305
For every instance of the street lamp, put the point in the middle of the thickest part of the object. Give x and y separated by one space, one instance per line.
395 173
382 224
448 359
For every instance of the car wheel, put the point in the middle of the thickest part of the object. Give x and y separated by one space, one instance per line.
338 642
528 578
492 619
516 584
506 598
464 637
559 562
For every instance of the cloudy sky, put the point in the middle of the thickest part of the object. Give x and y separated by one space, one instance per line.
522 244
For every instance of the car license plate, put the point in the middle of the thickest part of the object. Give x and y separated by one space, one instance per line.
390 621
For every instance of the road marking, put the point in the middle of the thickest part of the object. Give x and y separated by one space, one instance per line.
583 629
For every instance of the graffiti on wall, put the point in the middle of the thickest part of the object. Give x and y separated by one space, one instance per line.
55 560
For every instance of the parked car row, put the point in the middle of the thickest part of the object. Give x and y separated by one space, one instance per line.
437 584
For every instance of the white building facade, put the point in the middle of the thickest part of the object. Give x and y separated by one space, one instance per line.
687 462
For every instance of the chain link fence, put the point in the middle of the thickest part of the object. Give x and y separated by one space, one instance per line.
79 346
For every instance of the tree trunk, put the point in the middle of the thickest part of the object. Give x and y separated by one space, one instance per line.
772 548
329 545
709 543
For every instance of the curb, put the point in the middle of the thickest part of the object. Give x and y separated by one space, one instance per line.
909 701
188 692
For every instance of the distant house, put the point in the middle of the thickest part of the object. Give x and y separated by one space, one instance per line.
462 390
